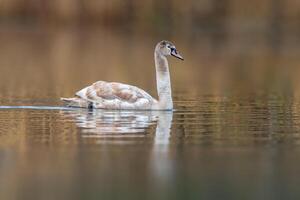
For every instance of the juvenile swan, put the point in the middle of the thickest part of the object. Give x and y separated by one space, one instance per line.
111 95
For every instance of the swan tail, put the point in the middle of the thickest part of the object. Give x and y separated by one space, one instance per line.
75 102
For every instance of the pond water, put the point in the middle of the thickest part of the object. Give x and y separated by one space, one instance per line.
234 134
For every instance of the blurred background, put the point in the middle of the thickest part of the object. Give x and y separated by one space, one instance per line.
234 133
227 44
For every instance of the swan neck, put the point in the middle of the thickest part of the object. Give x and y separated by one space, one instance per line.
163 82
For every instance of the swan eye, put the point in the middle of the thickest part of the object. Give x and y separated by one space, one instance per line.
173 50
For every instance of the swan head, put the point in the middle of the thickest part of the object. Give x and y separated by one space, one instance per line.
167 48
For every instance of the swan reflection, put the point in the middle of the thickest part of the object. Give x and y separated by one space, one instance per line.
103 122
123 124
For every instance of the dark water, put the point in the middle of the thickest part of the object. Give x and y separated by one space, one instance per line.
234 133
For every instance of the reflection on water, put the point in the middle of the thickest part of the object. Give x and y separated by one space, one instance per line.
235 133
114 127
102 122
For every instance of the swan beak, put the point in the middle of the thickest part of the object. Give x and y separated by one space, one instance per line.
175 53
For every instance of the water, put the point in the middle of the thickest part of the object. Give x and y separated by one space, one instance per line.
234 133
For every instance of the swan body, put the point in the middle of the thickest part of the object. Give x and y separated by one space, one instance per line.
112 95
